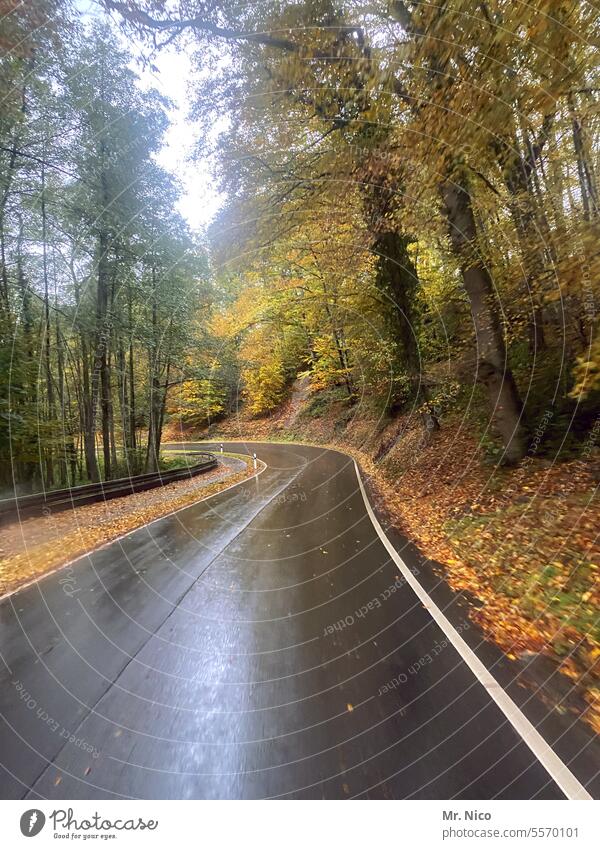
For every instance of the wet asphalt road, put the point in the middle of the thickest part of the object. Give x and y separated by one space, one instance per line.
259 644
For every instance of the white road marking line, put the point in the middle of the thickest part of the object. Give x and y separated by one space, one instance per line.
559 771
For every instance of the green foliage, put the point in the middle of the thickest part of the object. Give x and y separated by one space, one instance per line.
101 284
321 402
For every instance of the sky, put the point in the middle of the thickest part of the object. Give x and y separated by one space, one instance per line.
200 199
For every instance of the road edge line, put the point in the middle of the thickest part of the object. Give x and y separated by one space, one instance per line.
552 763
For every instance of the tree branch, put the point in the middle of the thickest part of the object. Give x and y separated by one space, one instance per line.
146 21
537 147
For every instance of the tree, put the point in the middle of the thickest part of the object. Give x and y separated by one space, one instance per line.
404 81
100 278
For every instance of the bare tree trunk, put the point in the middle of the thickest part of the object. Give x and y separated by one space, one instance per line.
338 340
397 280
8 180
101 372
5 300
111 419
88 416
520 178
154 415
154 387
123 399
492 366
66 435
163 404
28 467
587 181
47 331
132 434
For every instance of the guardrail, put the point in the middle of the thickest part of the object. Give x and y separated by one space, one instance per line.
63 499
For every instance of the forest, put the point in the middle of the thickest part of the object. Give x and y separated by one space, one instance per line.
411 219
412 205
101 280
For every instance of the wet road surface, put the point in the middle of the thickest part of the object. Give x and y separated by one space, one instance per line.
258 644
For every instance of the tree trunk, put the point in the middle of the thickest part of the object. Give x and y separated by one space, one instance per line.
153 424
28 467
337 335
7 184
492 366
154 387
518 170
163 404
66 434
88 416
123 398
585 171
101 372
101 369
132 434
397 280
111 420
47 330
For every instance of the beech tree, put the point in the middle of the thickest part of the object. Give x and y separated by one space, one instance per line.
468 109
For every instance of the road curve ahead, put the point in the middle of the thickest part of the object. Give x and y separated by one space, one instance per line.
261 643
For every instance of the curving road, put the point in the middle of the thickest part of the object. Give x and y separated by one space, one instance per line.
262 643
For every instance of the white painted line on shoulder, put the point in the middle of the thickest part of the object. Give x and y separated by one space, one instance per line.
559 771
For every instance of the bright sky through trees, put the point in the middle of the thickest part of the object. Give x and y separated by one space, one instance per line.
200 198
